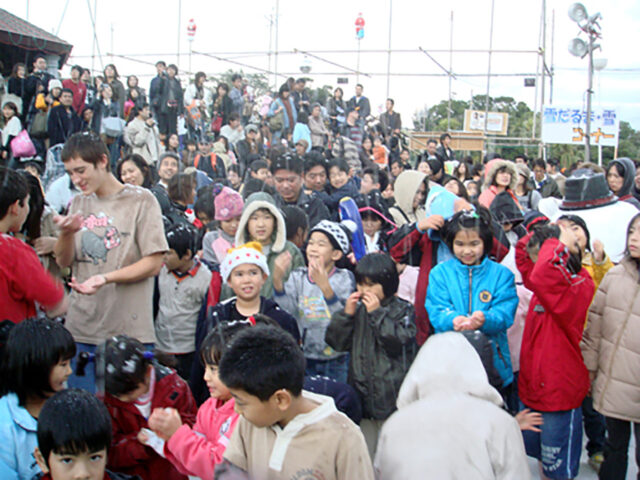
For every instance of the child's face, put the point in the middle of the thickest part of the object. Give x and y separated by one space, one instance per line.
503 178
262 174
217 389
453 187
246 281
367 184
468 247
233 178
580 235
472 189
370 287
173 261
85 466
633 240
59 375
230 227
320 249
388 192
204 218
139 391
337 177
259 413
261 225
371 224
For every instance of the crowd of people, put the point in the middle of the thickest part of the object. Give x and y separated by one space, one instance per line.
202 283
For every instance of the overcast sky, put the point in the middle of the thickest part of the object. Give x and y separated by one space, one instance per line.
151 27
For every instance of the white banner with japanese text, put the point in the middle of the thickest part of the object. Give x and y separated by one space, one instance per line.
567 124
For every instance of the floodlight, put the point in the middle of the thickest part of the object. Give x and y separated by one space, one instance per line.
577 12
599 63
578 47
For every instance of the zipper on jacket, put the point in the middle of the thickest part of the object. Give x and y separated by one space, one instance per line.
470 284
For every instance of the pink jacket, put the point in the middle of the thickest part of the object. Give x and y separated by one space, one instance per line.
196 451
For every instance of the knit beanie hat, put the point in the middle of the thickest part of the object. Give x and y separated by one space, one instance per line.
250 252
338 233
228 204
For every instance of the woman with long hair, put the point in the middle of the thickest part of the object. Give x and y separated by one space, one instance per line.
113 79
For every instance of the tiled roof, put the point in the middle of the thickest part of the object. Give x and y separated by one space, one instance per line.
17 32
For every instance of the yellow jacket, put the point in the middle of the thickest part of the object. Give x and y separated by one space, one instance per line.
595 269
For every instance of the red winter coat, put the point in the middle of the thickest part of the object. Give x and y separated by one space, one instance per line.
129 456
553 376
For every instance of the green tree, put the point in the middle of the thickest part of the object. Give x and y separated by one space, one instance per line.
628 142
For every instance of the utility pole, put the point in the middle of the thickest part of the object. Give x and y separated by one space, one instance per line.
389 49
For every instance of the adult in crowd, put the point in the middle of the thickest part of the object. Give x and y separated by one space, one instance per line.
542 182
301 97
105 107
315 172
553 170
171 102
621 174
112 237
336 110
112 78
282 115
527 196
360 104
197 100
287 173
390 120
319 132
233 131
37 82
63 120
444 152
221 107
142 134
77 87
168 166
134 170
16 83
155 88
249 148
237 94
500 176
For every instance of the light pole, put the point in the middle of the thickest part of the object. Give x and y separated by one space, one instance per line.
580 48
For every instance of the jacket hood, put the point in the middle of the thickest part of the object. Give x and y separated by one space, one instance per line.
405 188
629 169
446 362
504 209
255 202
492 169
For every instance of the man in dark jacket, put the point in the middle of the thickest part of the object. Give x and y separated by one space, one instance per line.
390 120
360 103
444 152
171 102
542 182
300 97
248 146
155 89
63 120
37 82
287 173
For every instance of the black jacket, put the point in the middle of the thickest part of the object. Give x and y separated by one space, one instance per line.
361 104
62 124
212 165
224 110
169 85
311 205
382 345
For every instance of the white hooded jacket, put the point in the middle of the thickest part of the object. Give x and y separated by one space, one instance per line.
449 424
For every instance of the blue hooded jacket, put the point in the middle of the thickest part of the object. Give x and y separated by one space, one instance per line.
456 289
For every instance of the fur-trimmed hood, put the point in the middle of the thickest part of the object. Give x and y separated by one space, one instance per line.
492 169
255 202
405 188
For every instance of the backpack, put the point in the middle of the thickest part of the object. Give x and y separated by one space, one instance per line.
210 167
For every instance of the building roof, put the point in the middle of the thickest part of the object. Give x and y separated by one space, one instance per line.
19 33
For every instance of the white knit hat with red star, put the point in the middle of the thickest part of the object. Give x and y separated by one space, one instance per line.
250 252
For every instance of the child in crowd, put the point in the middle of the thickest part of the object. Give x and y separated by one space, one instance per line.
204 207
340 186
262 222
379 331
35 365
472 292
375 222
285 432
183 283
197 450
297 223
259 169
313 293
380 152
244 273
228 210
609 350
74 437
234 177
597 263
553 378
135 385
23 280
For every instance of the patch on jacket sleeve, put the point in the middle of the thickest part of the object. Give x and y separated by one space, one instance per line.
538 309
485 296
